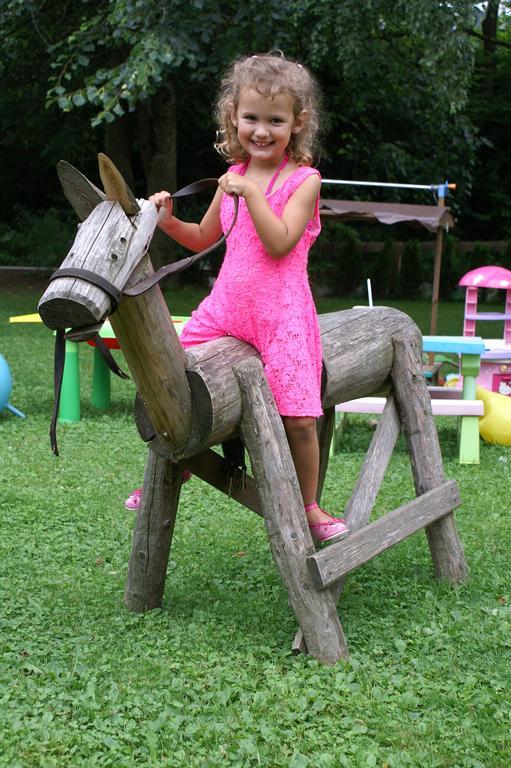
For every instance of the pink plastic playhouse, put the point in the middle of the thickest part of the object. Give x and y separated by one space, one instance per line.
496 360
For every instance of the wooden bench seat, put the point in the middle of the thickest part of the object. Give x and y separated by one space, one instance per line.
448 406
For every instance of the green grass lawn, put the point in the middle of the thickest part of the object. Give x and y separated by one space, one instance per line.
209 679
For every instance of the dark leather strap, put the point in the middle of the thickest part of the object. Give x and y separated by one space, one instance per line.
58 375
91 277
196 186
170 269
178 266
109 358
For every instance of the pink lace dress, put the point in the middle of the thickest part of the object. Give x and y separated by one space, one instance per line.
267 302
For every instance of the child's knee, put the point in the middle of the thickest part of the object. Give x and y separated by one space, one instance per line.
300 427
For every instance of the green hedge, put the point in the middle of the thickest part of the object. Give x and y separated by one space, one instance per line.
338 264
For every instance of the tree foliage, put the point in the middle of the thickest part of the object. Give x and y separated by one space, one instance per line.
489 109
398 76
122 53
415 90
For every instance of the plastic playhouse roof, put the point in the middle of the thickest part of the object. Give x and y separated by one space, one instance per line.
429 216
488 277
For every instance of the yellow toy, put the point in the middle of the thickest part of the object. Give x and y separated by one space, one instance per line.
495 425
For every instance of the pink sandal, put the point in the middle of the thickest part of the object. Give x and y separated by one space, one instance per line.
135 498
331 530
133 501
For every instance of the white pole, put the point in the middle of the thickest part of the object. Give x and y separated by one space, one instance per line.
369 292
380 184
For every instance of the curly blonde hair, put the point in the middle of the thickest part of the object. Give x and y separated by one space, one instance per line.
270 75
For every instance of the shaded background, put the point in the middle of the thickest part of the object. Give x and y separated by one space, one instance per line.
415 91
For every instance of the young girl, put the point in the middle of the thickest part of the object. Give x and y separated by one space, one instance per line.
268 118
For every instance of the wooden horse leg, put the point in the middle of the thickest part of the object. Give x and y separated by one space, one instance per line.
153 534
414 406
325 429
361 502
289 536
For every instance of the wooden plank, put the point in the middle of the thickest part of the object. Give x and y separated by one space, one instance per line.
462 345
212 468
339 559
457 407
153 534
286 523
445 393
414 407
363 497
361 502
440 406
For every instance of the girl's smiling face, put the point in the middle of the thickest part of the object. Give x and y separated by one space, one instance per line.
265 125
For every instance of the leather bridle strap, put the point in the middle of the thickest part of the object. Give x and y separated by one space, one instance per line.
170 269
91 277
178 266
109 358
58 375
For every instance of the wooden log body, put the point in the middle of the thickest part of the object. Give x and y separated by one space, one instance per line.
156 361
357 354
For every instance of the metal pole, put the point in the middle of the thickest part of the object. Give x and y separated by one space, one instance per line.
393 185
437 268
378 184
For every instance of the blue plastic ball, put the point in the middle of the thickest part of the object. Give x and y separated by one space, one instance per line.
5 383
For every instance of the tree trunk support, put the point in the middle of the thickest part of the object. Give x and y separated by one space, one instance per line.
414 406
284 515
153 534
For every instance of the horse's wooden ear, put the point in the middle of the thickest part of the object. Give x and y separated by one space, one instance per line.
80 192
115 186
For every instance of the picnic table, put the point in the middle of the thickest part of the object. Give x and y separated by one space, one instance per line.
69 409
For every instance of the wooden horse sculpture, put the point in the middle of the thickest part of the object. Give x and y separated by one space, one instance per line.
190 401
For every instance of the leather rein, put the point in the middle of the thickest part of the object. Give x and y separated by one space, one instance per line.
116 296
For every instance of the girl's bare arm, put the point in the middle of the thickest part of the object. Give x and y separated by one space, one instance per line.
193 236
278 235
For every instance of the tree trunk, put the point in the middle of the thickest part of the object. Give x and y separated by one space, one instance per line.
118 147
157 136
489 29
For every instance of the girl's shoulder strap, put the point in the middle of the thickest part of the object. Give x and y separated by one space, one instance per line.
298 177
238 168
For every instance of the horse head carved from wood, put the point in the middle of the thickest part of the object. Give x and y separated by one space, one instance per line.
112 239
191 399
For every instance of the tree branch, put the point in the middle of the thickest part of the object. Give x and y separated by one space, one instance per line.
473 33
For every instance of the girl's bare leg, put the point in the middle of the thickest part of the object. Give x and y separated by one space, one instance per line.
303 443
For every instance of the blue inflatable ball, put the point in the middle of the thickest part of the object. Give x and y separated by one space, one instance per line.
5 383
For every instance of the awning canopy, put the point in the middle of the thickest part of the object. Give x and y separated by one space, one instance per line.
429 216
